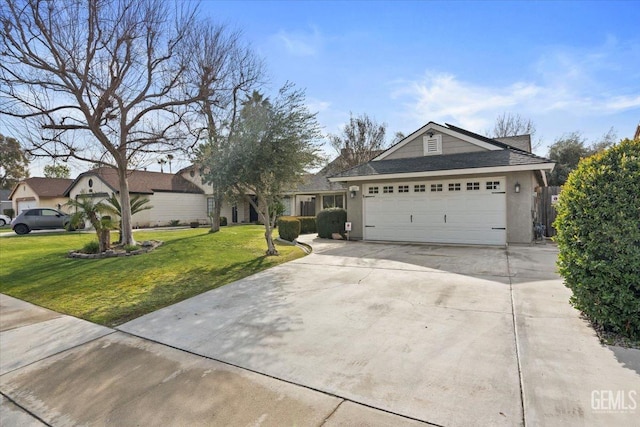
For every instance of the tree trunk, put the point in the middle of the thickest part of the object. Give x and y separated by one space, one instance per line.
126 233
215 217
266 219
104 239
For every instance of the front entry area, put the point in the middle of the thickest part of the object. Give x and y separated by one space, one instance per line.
461 211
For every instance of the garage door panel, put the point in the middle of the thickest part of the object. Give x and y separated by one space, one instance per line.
468 215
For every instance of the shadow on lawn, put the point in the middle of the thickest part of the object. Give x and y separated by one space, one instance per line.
188 284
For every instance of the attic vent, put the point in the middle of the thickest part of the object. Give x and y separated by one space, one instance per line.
432 144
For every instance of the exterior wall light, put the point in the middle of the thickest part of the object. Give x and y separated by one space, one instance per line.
353 190
517 187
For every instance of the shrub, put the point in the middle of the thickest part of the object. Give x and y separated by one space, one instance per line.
307 224
131 248
288 228
9 212
93 247
599 238
174 222
223 221
331 221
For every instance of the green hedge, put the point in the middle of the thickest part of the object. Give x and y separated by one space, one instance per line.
307 224
331 221
223 221
598 237
288 228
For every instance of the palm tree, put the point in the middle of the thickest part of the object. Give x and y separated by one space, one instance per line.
138 204
87 210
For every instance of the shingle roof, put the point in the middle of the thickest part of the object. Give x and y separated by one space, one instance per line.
506 157
144 182
48 187
313 183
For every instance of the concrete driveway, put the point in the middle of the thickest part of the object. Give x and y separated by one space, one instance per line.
447 335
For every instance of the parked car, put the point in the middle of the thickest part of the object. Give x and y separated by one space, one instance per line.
4 220
40 219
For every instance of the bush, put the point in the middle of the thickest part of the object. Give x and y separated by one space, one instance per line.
174 223
331 221
131 248
93 247
599 238
288 228
223 221
307 224
9 212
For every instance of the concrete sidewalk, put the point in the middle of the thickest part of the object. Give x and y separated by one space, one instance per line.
59 370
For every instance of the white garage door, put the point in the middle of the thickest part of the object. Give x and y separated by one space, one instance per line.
26 204
469 211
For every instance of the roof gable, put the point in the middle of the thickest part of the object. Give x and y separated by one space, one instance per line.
45 187
435 128
141 182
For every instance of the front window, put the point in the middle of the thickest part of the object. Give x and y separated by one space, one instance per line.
333 201
211 204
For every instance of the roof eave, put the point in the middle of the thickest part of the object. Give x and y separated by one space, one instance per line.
446 172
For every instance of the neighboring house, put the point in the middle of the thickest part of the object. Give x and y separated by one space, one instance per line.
39 192
5 201
316 192
172 197
236 212
444 184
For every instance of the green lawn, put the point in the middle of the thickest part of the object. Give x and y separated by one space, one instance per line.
112 291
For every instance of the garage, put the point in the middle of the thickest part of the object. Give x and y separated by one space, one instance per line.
26 204
462 211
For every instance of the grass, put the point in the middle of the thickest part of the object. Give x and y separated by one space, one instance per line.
112 291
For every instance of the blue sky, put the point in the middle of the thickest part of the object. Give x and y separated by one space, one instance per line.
568 66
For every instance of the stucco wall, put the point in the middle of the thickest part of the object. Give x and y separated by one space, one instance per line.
184 207
520 207
23 192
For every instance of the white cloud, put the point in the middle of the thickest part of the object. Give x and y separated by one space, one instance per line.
564 83
317 105
300 43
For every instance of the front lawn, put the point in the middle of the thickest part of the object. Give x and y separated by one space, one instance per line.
112 291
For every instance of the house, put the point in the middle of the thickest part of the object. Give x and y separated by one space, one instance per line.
316 192
444 184
5 201
39 192
172 197
236 212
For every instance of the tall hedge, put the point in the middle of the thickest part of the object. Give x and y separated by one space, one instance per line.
307 224
598 237
331 221
288 228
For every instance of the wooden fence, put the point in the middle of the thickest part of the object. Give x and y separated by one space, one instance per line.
546 209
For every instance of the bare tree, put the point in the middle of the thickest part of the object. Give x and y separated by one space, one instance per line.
102 81
227 71
360 141
509 124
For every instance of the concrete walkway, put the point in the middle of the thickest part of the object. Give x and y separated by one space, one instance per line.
354 334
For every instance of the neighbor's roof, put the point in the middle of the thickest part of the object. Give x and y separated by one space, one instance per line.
45 187
4 194
143 182
453 162
314 183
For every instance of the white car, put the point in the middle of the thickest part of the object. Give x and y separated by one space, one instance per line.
4 220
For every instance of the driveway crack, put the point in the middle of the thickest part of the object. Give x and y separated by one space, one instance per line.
516 339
